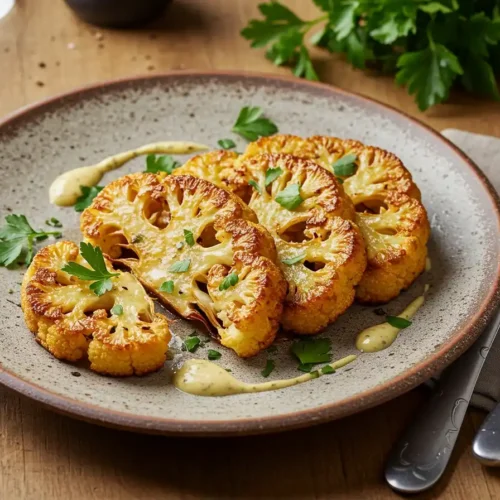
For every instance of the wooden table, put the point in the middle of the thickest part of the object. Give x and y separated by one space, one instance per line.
44 50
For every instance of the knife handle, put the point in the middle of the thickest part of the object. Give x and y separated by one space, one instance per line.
420 457
486 445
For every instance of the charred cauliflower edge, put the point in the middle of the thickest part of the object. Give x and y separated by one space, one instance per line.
142 221
72 322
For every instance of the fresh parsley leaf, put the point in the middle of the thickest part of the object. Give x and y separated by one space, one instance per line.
213 354
312 351
228 281
117 310
167 286
180 267
429 74
290 197
17 239
252 183
398 322
98 273
188 236
161 163
272 174
327 369
345 166
226 143
87 197
294 260
192 343
268 369
251 125
53 222
304 66
305 367
339 180
138 238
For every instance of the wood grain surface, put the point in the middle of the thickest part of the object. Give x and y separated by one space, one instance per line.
45 50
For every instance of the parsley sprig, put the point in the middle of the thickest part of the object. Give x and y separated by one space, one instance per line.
17 240
161 163
98 273
251 125
310 352
431 45
87 197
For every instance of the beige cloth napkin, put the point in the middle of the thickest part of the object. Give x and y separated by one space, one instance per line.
485 151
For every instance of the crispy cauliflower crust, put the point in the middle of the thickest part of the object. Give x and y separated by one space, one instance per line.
140 221
71 322
321 284
379 184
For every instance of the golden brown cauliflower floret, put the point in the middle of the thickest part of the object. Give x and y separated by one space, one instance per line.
321 251
189 234
72 322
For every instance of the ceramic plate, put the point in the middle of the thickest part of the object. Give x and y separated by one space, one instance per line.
80 128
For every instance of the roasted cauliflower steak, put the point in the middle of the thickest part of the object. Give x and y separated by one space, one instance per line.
72 322
389 213
184 239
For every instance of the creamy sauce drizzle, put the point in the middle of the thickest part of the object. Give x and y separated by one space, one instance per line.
428 264
378 337
204 378
65 189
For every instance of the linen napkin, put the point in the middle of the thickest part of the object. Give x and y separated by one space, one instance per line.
484 150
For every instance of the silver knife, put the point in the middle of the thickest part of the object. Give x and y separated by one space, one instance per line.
420 457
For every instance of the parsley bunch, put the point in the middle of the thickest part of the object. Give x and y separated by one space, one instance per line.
431 45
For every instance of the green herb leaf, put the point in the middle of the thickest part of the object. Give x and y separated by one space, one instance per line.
251 125
117 310
17 239
162 163
312 351
53 222
304 66
398 322
228 281
293 260
102 286
272 174
255 186
87 197
305 367
268 369
138 238
213 354
167 286
290 197
226 143
345 166
180 267
188 236
192 343
327 369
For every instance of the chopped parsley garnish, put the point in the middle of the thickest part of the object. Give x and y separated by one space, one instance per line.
345 165
327 369
228 281
162 163
251 125
99 273
53 222
192 343
293 260
138 238
87 197
398 322
226 143
117 310
167 286
272 174
290 197
268 369
312 351
255 186
228 370
339 180
305 367
180 267
213 354
17 240
188 236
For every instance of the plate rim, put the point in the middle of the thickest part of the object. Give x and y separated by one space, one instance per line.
379 394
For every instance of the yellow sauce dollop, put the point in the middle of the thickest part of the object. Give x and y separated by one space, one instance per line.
65 189
204 378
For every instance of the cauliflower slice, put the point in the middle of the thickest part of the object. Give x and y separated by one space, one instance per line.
71 322
188 233
320 250
379 184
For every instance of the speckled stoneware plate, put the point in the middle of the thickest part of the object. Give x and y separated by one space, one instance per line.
80 128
